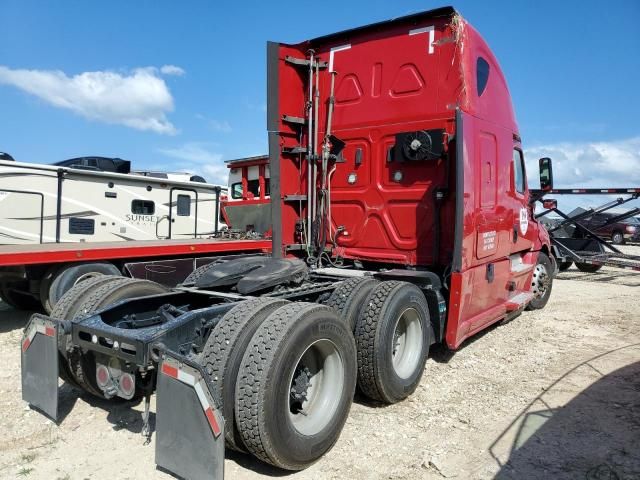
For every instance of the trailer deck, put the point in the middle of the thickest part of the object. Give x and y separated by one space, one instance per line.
11 255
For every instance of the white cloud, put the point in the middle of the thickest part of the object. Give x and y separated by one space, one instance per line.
198 158
590 164
139 99
220 126
172 70
613 164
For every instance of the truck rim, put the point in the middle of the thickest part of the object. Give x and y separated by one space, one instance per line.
407 343
315 387
540 281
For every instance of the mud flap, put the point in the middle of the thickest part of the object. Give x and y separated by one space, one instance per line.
40 365
189 427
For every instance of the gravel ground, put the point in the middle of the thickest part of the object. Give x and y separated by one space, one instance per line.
551 394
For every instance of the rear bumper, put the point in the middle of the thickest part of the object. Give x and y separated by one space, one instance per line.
189 425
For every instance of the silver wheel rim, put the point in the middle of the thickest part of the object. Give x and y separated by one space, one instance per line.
406 349
539 281
316 383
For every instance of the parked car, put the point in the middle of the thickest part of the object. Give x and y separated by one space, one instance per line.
618 232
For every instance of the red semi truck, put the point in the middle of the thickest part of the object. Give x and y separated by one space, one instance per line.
401 218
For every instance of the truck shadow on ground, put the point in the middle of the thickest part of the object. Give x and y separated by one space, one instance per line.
11 319
594 436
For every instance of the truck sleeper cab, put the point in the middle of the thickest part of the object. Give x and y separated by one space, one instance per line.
401 218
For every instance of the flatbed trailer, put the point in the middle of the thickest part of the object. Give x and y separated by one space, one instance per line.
588 250
36 276
401 218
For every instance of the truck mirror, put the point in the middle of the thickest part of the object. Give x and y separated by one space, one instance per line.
546 174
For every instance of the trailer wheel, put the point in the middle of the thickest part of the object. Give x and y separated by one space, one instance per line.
66 277
588 267
349 298
295 385
564 266
392 338
222 354
45 286
541 282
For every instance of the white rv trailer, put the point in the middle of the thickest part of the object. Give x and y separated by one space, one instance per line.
47 204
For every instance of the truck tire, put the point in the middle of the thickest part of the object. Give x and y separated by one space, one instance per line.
67 277
349 298
588 267
67 306
617 238
65 309
564 266
115 291
541 282
102 292
392 339
197 273
223 352
18 298
295 385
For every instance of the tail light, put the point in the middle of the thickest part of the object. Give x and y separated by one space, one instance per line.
127 385
631 229
103 378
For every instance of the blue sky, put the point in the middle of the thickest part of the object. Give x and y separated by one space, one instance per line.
573 69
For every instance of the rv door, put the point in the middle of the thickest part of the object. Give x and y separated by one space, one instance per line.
183 213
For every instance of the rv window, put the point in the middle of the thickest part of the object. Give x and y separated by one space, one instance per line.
482 74
184 205
143 207
236 190
518 171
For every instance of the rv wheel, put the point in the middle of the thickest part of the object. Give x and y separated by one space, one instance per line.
295 385
222 354
541 282
68 276
349 298
392 337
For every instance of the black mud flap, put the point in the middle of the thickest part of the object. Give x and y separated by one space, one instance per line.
40 365
189 427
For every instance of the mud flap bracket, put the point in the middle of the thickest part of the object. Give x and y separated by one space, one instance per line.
189 427
39 367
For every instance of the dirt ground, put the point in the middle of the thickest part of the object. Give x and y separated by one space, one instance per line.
553 394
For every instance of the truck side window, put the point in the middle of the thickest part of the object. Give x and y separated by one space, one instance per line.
236 190
184 205
143 207
482 75
518 171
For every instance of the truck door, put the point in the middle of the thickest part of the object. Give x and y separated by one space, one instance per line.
183 213
522 235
